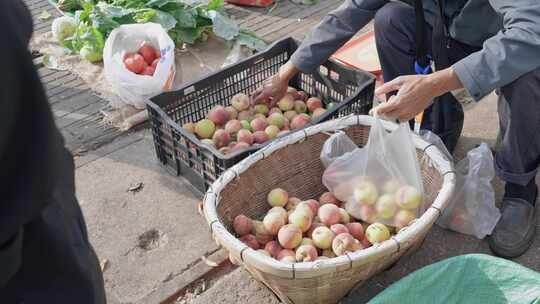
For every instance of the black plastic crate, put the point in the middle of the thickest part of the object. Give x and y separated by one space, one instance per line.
182 153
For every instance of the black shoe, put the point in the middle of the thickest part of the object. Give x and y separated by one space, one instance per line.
514 233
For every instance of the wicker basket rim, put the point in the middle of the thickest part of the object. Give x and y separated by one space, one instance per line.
356 259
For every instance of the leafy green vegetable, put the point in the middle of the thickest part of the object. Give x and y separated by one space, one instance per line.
69 5
223 26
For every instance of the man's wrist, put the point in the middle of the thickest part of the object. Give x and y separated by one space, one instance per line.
445 81
288 71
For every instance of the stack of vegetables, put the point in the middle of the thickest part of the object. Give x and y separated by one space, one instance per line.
186 21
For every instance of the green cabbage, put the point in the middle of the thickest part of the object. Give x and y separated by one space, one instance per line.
63 27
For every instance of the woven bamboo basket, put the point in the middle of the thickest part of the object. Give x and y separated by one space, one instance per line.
293 164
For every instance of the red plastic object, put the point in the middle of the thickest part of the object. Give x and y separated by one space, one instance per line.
256 3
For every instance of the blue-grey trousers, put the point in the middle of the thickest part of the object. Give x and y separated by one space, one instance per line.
518 158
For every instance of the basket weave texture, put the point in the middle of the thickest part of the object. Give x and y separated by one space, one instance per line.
293 164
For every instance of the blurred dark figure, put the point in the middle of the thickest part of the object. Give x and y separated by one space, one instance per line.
45 256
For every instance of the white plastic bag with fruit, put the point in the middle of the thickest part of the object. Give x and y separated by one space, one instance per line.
380 182
139 62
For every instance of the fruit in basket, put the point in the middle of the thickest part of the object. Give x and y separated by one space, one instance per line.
240 101
356 230
365 243
328 253
273 222
259 115
300 106
286 103
345 217
313 103
391 186
281 211
244 136
386 206
289 236
239 146
258 124
190 127
250 241
328 198
148 52
305 208
368 212
277 197
307 241
242 225
344 243
402 218
218 115
313 205
273 248
205 128
377 233
302 95
318 113
289 115
135 63
260 137
271 131
245 116
301 219
276 119
233 114
292 203
314 225
232 127
264 252
287 256
322 237
293 92
261 109
306 253
274 110
329 214
365 192
338 229
408 197
262 235
299 121
245 125
221 138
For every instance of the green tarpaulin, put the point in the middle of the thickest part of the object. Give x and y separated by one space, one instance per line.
472 278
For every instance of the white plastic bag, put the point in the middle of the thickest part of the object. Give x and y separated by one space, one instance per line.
380 182
135 89
335 146
472 209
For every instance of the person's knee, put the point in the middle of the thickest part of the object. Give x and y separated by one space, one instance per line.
390 16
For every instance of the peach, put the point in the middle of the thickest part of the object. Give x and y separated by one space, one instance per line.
240 102
245 125
365 243
271 131
259 115
313 205
292 203
301 219
205 128
368 212
244 136
245 115
307 241
322 237
300 106
190 127
273 222
328 198
286 103
233 114
314 103
318 113
233 126
306 253
304 207
293 92
386 206
218 115
314 225
329 214
286 124
289 236
242 225
408 197
302 95
377 233
403 218
262 109
345 217
274 110
391 186
276 119
344 243
273 248
281 211
264 252
328 253
287 256
356 230
258 124
260 137
277 197
365 192
233 260
250 240
300 120
239 146
262 235
289 115
338 229
221 138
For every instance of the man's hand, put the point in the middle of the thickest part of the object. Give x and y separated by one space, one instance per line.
416 93
275 87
